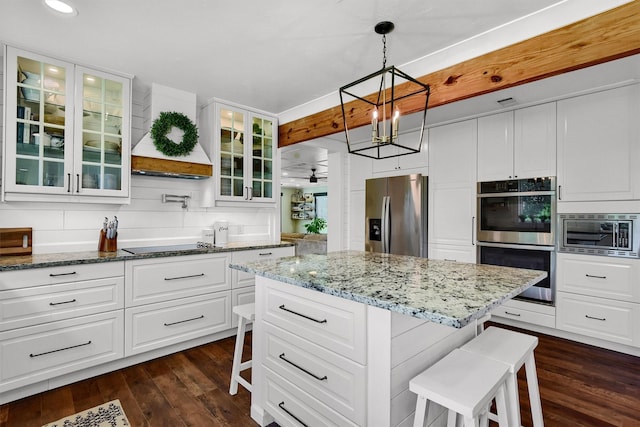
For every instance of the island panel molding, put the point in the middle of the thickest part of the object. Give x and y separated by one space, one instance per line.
601 38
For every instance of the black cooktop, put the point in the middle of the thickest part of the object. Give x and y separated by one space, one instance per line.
167 248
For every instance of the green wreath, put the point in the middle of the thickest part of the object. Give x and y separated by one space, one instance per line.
162 126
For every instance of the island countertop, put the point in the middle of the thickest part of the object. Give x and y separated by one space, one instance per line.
446 292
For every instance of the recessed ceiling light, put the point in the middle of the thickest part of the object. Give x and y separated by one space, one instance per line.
285 173
60 6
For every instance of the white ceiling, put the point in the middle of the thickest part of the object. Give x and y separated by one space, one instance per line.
275 56
271 55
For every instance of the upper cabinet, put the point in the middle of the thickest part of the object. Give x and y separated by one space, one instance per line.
405 164
245 145
599 145
517 144
67 131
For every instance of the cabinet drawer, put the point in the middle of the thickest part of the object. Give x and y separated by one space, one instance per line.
163 279
242 278
334 323
526 316
599 276
291 407
162 324
37 353
599 318
31 306
53 275
332 379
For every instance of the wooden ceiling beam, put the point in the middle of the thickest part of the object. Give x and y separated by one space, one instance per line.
601 38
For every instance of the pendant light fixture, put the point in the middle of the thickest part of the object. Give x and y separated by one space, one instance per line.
384 108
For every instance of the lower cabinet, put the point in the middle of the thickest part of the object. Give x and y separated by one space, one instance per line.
54 321
527 312
453 253
610 320
37 353
175 299
158 325
319 359
599 297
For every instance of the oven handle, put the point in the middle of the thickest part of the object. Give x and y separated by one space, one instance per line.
550 248
517 194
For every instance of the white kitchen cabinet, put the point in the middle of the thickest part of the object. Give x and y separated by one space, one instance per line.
525 312
599 297
598 276
245 143
598 146
58 320
452 185
406 164
602 318
158 325
168 278
322 360
453 253
67 133
41 352
170 300
517 144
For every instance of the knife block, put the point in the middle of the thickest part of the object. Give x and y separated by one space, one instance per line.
107 245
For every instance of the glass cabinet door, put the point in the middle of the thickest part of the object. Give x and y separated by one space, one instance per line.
232 153
245 145
262 158
36 141
102 126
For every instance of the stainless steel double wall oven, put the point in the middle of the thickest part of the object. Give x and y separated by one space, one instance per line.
516 227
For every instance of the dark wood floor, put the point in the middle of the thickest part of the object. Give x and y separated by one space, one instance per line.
580 386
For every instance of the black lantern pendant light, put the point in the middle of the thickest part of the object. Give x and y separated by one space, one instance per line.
392 86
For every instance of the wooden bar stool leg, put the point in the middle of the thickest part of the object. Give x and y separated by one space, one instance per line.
534 391
237 356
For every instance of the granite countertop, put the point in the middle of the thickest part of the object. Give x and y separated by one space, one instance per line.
447 292
23 262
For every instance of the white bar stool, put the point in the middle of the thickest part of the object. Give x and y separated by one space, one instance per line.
465 384
246 314
514 349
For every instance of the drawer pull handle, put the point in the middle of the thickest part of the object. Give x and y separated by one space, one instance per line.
183 321
184 277
512 314
302 369
63 302
602 319
596 277
62 274
281 406
266 253
60 349
282 307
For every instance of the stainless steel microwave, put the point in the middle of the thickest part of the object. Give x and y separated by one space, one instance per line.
600 234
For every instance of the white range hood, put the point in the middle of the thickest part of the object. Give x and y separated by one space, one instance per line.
145 157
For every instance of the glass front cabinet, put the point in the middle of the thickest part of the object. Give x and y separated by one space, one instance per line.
66 131
245 144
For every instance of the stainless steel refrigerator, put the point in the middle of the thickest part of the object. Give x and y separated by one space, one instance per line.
396 215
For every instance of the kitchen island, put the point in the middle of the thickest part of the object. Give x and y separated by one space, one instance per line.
337 337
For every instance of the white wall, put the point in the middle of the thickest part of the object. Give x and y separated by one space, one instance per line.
61 227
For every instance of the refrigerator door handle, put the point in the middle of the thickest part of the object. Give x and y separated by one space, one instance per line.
386 229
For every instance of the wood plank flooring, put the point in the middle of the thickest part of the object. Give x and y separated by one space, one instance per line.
580 386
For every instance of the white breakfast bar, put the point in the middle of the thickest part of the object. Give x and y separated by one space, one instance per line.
337 337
